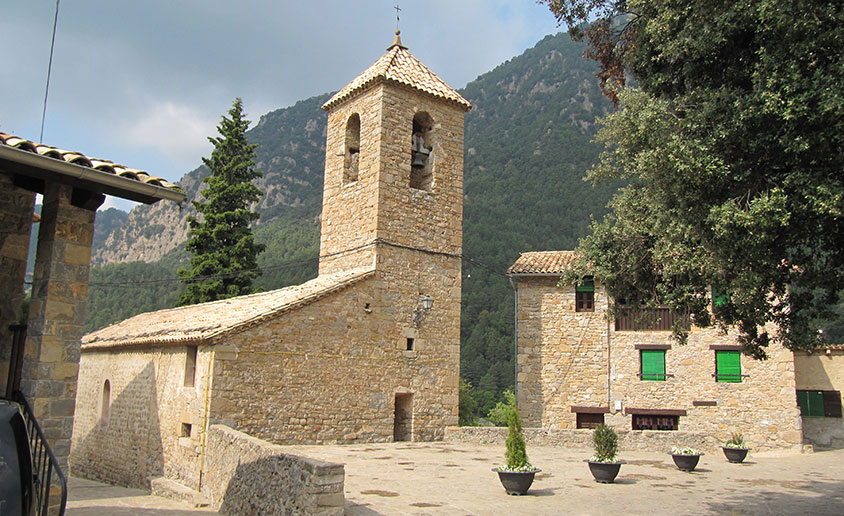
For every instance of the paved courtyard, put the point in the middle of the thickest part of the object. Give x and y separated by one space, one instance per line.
455 479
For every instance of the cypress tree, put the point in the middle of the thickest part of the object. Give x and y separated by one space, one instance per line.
224 261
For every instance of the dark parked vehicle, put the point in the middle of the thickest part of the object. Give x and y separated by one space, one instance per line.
17 487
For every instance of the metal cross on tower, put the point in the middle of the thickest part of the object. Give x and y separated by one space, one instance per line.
397 8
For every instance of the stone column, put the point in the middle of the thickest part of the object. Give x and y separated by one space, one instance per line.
57 315
16 205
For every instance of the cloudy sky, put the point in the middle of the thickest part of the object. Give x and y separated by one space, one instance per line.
144 83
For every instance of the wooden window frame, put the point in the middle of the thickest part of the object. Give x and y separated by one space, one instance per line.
589 420
584 295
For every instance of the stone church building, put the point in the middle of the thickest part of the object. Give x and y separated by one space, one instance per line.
367 351
577 369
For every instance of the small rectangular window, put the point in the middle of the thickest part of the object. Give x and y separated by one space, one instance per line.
584 296
652 365
190 366
655 422
410 343
728 366
819 403
586 420
185 431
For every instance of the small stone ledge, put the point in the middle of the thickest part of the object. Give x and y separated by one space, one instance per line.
638 440
166 488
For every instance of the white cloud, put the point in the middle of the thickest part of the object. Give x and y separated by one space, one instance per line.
177 131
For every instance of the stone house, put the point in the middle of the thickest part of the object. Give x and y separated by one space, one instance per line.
577 369
39 357
367 351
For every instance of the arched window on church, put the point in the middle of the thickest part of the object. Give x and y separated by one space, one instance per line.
351 159
422 146
106 403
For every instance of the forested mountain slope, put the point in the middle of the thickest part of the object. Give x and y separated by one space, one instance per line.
527 146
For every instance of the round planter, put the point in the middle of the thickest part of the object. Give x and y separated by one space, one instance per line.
735 455
686 462
604 472
516 482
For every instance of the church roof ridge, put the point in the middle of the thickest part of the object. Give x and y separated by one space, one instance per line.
400 66
204 321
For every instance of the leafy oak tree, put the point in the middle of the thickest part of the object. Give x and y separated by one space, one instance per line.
733 146
224 261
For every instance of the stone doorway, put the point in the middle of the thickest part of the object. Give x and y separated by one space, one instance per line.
403 422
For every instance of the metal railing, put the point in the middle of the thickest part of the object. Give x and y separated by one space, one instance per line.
44 463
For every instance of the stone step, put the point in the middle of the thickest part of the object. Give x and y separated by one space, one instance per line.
167 488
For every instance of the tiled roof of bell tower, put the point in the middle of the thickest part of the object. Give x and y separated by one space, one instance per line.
400 66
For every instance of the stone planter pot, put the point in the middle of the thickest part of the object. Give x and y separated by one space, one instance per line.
604 472
516 482
686 462
735 455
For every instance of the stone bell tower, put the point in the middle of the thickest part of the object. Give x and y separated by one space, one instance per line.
393 203
393 166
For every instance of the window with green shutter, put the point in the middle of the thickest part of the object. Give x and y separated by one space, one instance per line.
653 365
728 366
585 295
819 403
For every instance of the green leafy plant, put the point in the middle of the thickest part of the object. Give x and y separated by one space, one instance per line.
736 441
605 441
500 414
516 454
684 451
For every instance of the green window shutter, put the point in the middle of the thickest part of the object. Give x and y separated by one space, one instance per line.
815 402
587 285
803 402
653 365
728 366
720 297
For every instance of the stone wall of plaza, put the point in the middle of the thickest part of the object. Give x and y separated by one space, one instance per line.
133 429
330 371
572 361
245 475
822 371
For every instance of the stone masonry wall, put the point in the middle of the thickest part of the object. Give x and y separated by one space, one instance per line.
57 315
349 209
566 359
329 372
628 440
821 372
139 436
244 475
16 207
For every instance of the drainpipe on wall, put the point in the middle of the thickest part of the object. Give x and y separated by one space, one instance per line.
609 369
515 339
205 425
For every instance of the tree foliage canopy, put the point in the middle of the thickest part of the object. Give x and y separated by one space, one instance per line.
733 146
224 261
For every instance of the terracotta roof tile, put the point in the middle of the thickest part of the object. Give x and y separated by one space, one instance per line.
207 320
85 161
542 262
398 65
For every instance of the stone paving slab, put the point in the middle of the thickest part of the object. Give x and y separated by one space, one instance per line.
89 498
455 479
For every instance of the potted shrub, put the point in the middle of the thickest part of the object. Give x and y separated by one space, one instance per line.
735 449
685 459
517 475
604 464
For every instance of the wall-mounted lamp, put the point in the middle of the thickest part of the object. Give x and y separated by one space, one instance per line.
424 306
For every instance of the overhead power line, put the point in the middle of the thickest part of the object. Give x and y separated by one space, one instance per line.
295 263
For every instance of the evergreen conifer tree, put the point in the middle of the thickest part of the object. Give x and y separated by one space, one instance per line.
224 261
